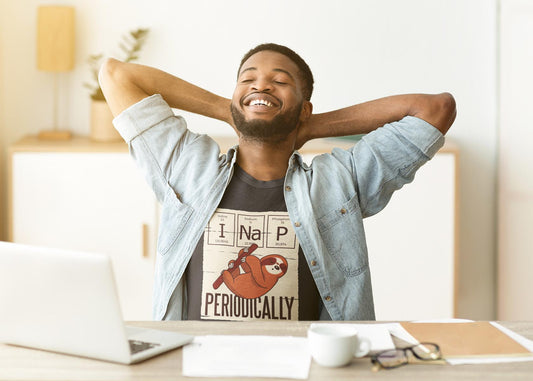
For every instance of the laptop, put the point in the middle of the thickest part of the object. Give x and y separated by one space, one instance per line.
66 301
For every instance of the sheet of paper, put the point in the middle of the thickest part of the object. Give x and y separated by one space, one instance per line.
528 344
398 331
377 334
247 356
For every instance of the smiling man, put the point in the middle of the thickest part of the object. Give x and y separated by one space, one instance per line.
272 116
256 233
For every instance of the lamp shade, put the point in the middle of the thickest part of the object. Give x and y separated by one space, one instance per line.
55 38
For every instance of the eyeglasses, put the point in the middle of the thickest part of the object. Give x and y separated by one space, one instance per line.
398 357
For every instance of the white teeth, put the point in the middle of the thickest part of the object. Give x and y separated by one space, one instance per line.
261 102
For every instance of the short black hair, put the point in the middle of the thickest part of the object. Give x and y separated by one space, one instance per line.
304 70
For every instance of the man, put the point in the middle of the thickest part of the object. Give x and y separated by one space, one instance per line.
256 233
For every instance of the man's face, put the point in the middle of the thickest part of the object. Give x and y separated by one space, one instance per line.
267 101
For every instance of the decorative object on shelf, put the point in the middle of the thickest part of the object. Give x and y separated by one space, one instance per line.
101 118
55 53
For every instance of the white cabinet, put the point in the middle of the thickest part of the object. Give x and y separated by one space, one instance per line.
412 245
87 196
90 196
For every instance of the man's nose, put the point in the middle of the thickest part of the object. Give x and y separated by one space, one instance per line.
261 84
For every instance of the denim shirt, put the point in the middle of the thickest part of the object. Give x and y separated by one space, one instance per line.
326 200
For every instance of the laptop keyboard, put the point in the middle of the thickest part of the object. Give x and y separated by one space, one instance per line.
137 346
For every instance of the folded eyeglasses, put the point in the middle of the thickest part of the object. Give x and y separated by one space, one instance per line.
397 357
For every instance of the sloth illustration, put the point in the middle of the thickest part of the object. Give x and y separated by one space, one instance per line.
259 276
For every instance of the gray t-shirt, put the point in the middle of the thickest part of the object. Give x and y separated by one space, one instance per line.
248 265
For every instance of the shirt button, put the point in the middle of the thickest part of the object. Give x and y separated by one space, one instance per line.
288 188
313 263
328 298
297 224
343 211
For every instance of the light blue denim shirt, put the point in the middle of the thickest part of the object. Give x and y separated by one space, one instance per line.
326 200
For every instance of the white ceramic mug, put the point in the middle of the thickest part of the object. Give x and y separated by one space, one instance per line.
336 344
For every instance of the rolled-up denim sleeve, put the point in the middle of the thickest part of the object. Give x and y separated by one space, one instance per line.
155 137
388 158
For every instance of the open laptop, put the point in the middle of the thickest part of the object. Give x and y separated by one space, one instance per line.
66 301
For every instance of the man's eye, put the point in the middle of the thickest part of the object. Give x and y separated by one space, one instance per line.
280 82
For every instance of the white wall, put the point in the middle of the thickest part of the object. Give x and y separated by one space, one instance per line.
357 49
515 212
2 124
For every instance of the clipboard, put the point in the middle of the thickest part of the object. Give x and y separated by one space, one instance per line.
462 340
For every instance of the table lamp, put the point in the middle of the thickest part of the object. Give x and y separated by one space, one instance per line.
55 53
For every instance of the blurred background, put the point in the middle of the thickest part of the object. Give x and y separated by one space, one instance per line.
358 50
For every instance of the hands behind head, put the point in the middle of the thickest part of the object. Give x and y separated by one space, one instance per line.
305 132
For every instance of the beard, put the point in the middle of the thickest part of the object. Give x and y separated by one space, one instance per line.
271 131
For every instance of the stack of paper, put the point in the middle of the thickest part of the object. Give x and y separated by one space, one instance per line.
473 342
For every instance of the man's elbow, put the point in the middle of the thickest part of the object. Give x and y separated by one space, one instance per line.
446 111
109 74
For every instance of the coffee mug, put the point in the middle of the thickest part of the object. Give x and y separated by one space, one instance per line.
334 345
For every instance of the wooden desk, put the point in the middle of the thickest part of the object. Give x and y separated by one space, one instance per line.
26 364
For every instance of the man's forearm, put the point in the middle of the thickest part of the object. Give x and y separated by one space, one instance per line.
124 84
438 110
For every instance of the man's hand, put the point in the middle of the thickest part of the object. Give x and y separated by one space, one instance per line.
305 132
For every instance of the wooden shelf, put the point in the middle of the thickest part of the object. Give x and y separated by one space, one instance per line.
76 144
85 144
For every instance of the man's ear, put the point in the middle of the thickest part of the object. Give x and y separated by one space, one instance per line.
307 111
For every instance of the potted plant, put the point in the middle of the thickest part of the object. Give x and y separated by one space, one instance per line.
101 118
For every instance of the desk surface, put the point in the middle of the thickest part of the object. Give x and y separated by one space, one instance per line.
18 363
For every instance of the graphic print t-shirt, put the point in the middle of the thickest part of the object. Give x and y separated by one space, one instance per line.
248 265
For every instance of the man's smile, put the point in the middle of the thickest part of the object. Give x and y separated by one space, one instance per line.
261 102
